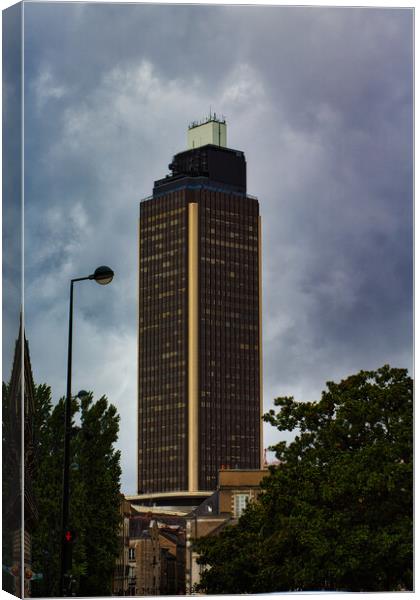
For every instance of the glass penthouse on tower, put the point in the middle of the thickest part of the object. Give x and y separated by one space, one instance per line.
199 343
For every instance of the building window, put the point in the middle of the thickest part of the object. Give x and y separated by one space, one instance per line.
131 554
241 501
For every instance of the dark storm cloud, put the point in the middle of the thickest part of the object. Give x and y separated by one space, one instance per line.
179 40
12 176
320 100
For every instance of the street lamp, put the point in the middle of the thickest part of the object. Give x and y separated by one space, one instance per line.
102 275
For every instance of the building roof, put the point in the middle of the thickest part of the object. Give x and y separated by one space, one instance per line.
157 510
208 507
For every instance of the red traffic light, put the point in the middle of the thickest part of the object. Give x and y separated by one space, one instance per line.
69 536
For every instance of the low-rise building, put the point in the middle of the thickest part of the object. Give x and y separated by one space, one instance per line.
120 583
236 488
161 555
153 558
148 562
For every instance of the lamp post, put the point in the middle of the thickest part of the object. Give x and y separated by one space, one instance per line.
102 275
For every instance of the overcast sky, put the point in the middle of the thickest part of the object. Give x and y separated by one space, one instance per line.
320 101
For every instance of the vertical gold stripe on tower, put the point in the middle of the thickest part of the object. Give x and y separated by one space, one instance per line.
192 347
138 357
260 338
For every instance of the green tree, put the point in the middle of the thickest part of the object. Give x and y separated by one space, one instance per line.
47 484
11 493
94 493
99 471
336 514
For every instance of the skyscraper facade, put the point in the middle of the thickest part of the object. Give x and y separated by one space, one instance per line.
199 354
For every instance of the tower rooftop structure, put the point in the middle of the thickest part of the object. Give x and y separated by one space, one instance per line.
210 130
207 161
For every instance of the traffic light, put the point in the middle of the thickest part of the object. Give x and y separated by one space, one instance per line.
69 536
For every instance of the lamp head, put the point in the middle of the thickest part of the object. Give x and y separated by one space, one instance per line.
102 275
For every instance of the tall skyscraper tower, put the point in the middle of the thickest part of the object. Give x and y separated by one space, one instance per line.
200 363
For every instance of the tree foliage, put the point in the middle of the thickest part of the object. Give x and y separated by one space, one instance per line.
94 493
11 492
336 513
